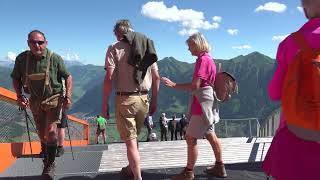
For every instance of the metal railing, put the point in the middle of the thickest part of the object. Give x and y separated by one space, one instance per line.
246 127
270 124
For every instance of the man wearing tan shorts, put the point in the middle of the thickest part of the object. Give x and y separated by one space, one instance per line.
132 102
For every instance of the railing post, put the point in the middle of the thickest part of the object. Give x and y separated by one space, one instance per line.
86 133
267 129
225 125
258 128
272 123
250 127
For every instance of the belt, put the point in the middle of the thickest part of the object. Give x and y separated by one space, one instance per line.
131 93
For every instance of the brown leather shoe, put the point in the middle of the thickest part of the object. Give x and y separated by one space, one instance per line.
218 170
184 175
126 172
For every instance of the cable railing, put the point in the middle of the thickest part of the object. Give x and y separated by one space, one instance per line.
14 140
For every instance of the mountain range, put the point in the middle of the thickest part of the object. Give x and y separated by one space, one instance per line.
252 71
70 58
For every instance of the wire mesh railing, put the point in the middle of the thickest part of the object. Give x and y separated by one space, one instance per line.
13 122
13 125
14 132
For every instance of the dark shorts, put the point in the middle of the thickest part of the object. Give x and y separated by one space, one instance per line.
43 118
99 131
63 123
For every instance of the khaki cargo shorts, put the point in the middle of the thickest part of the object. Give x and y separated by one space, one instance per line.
130 114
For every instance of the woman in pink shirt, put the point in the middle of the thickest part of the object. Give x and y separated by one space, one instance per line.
204 74
290 157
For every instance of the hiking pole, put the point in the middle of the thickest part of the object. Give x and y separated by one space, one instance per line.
69 137
34 127
28 118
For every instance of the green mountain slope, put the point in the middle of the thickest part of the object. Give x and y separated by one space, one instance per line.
5 79
85 78
252 71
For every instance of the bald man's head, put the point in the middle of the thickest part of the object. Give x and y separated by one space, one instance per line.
311 8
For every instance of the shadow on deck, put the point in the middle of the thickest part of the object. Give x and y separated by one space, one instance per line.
239 171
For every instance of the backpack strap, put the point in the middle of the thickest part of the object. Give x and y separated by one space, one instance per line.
47 79
27 82
47 76
303 45
47 73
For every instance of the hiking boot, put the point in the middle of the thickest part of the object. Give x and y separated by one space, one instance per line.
42 154
218 170
49 170
184 175
60 151
49 161
126 172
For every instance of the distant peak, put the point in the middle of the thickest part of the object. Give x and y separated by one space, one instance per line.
170 58
240 56
255 53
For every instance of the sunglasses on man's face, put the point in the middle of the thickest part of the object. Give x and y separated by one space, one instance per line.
36 42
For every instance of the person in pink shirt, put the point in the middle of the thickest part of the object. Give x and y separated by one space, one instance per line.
290 157
204 74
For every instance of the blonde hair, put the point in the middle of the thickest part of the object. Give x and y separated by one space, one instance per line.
200 41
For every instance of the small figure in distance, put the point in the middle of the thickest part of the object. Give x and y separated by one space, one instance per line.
163 121
101 124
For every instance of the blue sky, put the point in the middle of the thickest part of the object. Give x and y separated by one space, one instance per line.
82 29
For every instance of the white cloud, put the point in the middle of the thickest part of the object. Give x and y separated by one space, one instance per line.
217 18
188 32
279 37
242 47
300 8
233 32
69 55
11 56
272 6
189 19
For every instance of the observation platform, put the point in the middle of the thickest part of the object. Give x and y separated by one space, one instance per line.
159 160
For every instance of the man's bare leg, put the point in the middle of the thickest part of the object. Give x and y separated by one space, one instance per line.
134 158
